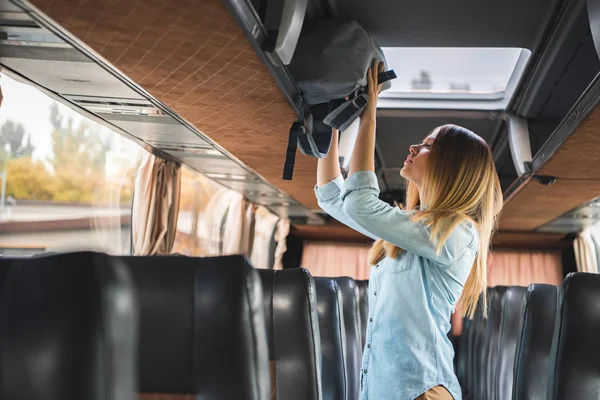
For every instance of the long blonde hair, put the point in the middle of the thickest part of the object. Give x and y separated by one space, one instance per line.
459 185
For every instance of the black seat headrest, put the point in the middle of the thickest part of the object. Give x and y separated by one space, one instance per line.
68 329
513 305
533 354
293 327
202 327
575 370
352 325
333 339
363 302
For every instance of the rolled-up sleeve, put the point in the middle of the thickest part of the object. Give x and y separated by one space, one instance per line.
361 204
328 197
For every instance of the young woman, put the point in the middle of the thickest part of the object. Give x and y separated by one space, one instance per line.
427 260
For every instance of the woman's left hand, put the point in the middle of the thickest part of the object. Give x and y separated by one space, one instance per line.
373 89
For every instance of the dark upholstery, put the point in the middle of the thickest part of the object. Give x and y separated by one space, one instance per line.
513 305
331 326
350 298
363 305
476 358
293 332
68 329
202 327
492 338
533 353
575 358
462 356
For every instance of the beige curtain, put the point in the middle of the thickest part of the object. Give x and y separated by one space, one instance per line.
519 268
336 259
249 228
265 226
212 220
233 233
586 250
155 206
283 230
510 268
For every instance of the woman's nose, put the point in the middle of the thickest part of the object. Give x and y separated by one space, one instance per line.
413 150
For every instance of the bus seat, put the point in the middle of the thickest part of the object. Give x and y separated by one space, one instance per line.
333 339
202 327
476 329
575 370
352 325
68 327
363 303
491 339
293 333
462 356
533 354
513 304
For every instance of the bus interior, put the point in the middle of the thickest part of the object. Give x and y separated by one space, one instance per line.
149 246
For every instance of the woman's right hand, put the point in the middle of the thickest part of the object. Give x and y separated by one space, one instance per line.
374 89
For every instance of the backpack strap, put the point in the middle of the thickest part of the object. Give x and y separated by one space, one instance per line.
344 115
298 129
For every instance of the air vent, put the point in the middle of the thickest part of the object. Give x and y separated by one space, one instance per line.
113 106
193 149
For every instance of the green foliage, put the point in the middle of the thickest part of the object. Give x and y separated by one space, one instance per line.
76 170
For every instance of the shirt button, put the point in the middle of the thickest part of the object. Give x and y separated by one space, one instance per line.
369 346
364 371
370 319
375 293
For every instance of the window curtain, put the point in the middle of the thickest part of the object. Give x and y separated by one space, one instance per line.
155 206
336 259
522 268
587 248
265 230
283 230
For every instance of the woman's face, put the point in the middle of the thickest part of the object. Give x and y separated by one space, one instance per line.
415 164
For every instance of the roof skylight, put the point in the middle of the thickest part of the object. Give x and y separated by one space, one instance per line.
485 75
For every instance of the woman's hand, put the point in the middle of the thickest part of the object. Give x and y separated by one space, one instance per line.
373 89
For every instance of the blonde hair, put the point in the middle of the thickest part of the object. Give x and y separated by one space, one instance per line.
459 185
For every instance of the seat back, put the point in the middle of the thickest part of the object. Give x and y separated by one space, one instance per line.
533 353
363 304
350 301
68 329
333 339
202 327
575 370
491 344
476 352
292 321
513 305
462 356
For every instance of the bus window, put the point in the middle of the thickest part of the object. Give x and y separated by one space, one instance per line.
214 220
66 181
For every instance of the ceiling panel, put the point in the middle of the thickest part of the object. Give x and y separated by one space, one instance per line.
396 133
211 164
464 23
64 77
162 131
536 204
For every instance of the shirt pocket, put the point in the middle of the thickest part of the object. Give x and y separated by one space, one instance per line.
402 264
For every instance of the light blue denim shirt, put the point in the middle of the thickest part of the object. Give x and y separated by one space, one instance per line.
407 351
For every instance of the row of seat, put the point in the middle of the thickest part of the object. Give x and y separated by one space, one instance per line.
87 325
536 343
